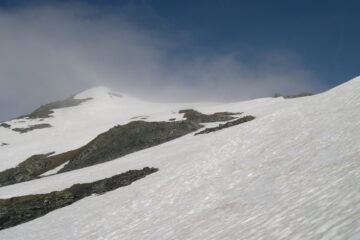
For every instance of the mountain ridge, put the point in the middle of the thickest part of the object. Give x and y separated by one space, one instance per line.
292 173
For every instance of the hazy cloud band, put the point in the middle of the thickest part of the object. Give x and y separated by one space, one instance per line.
49 52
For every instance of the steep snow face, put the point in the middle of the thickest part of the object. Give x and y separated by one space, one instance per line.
292 173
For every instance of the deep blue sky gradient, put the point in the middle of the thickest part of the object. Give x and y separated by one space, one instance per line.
325 34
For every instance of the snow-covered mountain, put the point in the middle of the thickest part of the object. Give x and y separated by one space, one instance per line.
291 173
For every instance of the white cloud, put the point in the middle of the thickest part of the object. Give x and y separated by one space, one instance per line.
48 53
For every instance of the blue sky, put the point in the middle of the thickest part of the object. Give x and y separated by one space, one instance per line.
325 34
314 44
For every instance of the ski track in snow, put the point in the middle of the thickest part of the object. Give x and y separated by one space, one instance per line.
292 173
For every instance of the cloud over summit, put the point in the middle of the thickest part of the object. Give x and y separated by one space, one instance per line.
50 52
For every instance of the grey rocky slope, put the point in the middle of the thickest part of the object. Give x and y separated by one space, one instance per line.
129 138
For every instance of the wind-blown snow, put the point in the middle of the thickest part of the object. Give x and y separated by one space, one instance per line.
292 173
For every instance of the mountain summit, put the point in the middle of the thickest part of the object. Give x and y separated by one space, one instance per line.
270 168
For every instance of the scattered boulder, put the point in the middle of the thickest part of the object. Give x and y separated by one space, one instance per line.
226 125
17 210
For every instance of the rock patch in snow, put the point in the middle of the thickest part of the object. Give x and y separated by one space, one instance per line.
32 127
195 116
45 111
124 139
5 125
17 210
226 125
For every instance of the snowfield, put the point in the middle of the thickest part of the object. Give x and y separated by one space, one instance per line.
73 127
292 173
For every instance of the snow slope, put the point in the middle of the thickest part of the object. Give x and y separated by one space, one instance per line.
73 127
292 173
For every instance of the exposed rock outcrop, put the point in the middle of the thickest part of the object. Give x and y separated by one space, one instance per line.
195 116
45 111
17 210
34 166
5 125
124 139
226 125
305 94
32 127
116 142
